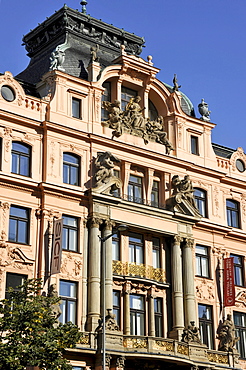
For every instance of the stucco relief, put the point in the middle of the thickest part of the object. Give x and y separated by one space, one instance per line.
238 154
205 291
4 209
240 298
8 79
7 140
71 266
219 251
215 192
243 206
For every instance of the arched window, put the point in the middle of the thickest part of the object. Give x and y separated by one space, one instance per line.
71 169
232 212
21 159
201 201
153 113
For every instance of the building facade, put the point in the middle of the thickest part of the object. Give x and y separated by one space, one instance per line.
91 136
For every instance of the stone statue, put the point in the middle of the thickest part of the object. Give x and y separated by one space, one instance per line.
110 322
191 334
184 189
104 167
204 112
227 335
94 51
132 121
176 86
57 59
56 310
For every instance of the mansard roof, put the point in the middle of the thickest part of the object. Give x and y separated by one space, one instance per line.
222 151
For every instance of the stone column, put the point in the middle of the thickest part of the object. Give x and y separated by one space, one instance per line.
127 324
94 274
151 313
107 265
189 289
177 289
84 277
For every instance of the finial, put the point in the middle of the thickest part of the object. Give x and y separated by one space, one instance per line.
149 58
176 86
83 3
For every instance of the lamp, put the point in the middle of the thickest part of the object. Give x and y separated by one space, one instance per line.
121 228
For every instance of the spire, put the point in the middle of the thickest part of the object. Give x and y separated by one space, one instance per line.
83 3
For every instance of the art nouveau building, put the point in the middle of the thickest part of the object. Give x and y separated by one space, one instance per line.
66 154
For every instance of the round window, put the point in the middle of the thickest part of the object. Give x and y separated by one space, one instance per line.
240 165
7 93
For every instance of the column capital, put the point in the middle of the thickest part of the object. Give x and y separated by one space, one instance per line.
177 239
109 224
94 221
189 242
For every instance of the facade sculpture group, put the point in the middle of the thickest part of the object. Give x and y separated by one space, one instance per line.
227 335
132 121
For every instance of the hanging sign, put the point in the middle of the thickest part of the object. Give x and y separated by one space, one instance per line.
229 287
56 247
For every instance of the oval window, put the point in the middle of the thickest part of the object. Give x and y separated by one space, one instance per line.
240 165
7 93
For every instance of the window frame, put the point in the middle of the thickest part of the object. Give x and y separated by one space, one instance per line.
18 220
201 202
136 314
238 267
203 257
117 307
207 336
155 191
240 331
156 248
230 211
68 299
20 156
129 94
70 229
116 247
194 145
158 315
69 167
135 246
7 286
135 188
79 101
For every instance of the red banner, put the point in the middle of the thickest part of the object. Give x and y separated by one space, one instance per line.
229 287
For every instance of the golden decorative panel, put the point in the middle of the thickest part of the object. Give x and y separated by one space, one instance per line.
162 345
85 339
183 350
215 357
135 343
141 270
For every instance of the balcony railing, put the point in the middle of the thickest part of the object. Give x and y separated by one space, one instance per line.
139 270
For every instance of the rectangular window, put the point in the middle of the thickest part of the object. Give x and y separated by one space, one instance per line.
68 294
115 247
156 253
232 212
135 191
76 108
116 191
70 233
240 326
14 281
206 325
238 269
194 145
202 261
158 317
126 95
137 314
155 194
18 225
136 248
116 305
106 97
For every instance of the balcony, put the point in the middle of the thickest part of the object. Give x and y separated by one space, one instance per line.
139 270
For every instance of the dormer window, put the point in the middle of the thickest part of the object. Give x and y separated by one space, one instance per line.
194 145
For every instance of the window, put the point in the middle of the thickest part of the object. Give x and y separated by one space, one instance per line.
14 281
156 253
194 145
135 189
126 95
155 194
158 317
232 211
201 201
18 225
106 97
238 269
137 314
116 191
240 326
115 247
68 294
21 159
71 169
153 113
78 367
70 233
116 306
135 248
206 325
202 261
76 108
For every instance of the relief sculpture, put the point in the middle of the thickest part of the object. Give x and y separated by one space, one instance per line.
132 121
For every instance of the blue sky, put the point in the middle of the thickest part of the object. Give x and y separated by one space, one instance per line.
203 42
